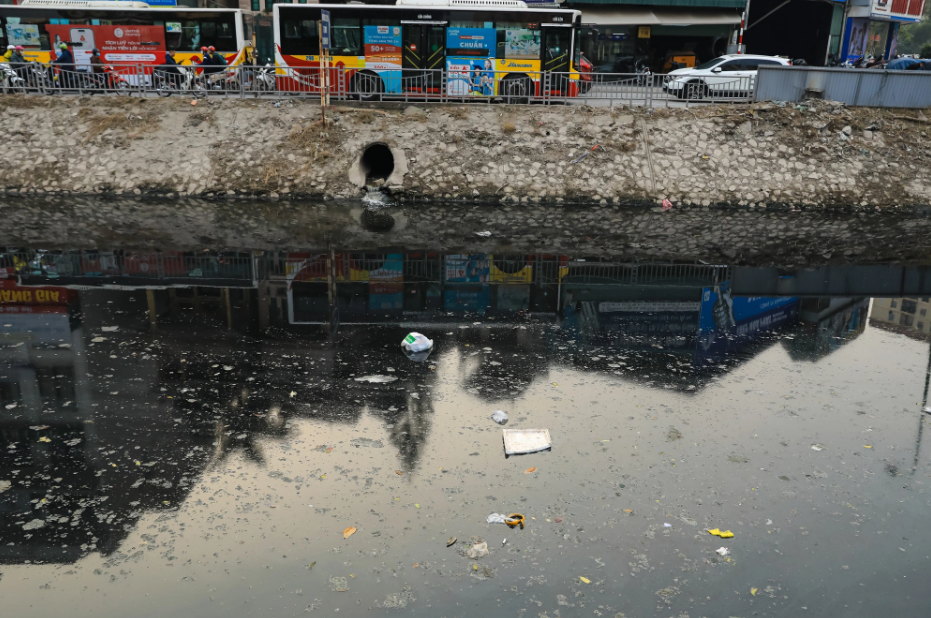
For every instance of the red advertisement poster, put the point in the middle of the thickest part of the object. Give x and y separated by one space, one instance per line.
13 294
117 44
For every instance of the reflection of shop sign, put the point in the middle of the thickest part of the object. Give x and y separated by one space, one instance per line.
30 296
643 32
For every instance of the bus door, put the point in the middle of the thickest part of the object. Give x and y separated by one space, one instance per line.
264 40
557 55
424 49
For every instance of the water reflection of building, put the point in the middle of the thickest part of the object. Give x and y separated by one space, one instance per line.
909 316
120 389
827 324
85 441
679 324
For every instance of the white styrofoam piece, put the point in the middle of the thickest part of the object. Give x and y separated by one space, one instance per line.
521 441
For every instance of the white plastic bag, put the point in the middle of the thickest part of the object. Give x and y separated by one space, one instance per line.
499 416
479 550
415 342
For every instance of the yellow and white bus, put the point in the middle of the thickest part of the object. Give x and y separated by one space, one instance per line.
124 32
448 48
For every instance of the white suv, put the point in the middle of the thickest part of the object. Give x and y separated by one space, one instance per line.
726 76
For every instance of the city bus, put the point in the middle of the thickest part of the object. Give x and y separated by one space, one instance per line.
124 32
452 48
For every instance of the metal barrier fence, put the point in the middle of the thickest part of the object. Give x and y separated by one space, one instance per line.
609 272
432 86
855 87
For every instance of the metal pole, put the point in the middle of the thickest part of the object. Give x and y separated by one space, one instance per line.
327 77
743 26
320 67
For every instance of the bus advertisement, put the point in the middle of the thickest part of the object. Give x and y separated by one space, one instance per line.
452 51
123 35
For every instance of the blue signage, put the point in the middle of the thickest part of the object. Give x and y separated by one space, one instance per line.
471 39
324 29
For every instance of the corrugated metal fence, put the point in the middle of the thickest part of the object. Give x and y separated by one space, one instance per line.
856 87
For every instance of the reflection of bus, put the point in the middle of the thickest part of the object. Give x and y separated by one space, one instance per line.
493 48
133 34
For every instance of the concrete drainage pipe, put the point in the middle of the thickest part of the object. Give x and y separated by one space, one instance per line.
379 161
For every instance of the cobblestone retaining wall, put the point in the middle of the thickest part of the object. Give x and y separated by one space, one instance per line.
824 155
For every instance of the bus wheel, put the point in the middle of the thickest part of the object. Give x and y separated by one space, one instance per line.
366 86
516 89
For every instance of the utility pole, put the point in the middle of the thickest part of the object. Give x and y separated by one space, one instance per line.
323 29
743 26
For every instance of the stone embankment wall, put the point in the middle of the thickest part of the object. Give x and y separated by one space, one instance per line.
822 154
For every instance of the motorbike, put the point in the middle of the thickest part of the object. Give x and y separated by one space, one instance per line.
255 79
167 84
108 80
39 77
10 81
218 80
644 74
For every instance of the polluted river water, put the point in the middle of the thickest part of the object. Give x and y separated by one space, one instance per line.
225 432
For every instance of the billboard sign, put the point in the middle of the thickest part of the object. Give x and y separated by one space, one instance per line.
729 322
897 10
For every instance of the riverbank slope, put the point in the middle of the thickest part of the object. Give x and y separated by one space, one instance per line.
818 154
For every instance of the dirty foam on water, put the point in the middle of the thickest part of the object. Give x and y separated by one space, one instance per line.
192 471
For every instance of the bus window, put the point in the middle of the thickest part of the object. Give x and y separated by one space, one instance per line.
208 30
300 37
248 27
29 32
347 37
225 36
517 41
183 36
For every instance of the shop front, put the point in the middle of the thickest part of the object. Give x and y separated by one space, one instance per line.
872 27
630 39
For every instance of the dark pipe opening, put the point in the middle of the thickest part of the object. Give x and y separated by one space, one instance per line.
377 162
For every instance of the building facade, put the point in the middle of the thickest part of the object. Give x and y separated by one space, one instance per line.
624 36
871 27
910 316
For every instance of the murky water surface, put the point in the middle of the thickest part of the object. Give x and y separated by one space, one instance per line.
240 434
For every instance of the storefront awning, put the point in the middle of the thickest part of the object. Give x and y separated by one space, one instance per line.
658 17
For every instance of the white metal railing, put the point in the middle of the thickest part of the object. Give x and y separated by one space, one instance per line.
438 85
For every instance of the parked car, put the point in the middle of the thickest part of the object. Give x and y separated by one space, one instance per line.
729 75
